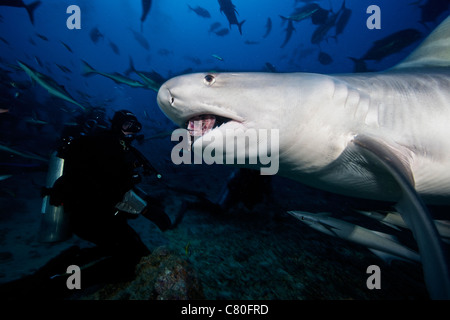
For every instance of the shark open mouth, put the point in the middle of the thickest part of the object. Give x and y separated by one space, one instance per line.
202 124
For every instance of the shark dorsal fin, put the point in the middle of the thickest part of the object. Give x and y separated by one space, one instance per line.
433 52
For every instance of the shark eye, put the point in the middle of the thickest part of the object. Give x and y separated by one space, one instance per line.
209 79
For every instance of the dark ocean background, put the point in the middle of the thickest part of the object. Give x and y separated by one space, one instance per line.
259 254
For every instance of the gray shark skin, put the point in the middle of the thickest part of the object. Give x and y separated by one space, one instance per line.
49 84
382 136
376 241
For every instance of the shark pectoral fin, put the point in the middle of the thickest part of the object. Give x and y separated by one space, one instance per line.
414 213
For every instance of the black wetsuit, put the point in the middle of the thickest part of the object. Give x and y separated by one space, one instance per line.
98 171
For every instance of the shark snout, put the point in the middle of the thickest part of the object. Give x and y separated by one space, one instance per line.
164 97
166 102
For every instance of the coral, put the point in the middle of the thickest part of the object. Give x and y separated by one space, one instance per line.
163 275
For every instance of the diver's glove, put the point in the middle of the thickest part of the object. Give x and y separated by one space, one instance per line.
154 211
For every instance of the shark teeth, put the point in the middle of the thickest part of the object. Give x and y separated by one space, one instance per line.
200 125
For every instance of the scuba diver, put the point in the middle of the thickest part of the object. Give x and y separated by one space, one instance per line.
100 171
98 194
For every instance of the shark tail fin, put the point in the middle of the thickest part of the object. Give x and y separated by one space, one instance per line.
87 69
434 50
240 26
30 9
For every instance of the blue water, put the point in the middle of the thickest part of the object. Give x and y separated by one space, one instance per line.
179 41
172 28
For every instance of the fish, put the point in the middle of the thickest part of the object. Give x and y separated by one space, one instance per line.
229 9
20 4
202 12
268 28
5 176
217 57
41 36
49 84
187 249
222 32
324 58
146 6
320 16
380 135
322 30
114 47
270 67
391 44
67 47
116 77
289 30
165 52
395 220
387 46
432 9
195 60
96 35
343 16
64 68
30 40
140 39
381 244
152 80
4 41
360 65
27 155
214 26
38 61
35 121
302 13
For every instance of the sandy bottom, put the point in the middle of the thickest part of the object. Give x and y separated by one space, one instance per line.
263 254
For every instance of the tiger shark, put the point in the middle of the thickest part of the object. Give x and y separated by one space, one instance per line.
381 135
